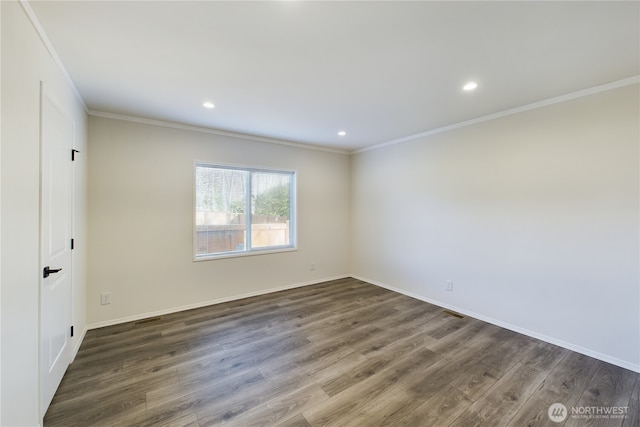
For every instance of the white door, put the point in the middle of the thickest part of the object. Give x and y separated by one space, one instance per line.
56 142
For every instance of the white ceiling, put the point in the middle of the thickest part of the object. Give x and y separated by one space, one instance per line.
301 71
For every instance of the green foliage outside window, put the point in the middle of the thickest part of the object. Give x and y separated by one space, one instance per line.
273 202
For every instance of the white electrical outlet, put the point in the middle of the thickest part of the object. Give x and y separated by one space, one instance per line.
313 265
105 298
450 285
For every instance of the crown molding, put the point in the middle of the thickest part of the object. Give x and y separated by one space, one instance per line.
540 104
174 125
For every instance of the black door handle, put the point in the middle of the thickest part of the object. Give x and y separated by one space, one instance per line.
47 271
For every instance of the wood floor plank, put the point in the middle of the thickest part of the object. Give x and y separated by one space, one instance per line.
534 413
609 387
73 397
632 417
564 384
502 401
413 317
297 421
99 413
241 358
508 353
281 408
347 403
190 420
476 380
544 356
182 404
368 368
339 353
439 410
386 340
450 370
77 376
320 354
148 418
185 392
341 367
473 333
111 394
236 406
568 379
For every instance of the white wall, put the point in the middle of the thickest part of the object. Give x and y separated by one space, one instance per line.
534 217
0 215
141 219
25 63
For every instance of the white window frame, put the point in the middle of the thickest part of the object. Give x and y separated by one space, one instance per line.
292 246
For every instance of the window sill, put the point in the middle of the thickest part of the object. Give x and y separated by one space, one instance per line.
245 253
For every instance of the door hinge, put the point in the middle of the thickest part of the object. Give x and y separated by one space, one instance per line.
72 331
73 244
73 155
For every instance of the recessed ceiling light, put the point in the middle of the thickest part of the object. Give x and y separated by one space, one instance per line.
342 133
470 86
208 105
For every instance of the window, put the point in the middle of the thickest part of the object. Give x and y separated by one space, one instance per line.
241 210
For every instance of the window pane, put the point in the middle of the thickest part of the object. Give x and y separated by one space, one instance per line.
239 210
220 210
271 209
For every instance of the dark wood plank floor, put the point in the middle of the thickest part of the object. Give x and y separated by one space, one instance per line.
340 353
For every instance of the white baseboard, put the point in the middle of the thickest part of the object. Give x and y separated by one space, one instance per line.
582 350
569 346
207 303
